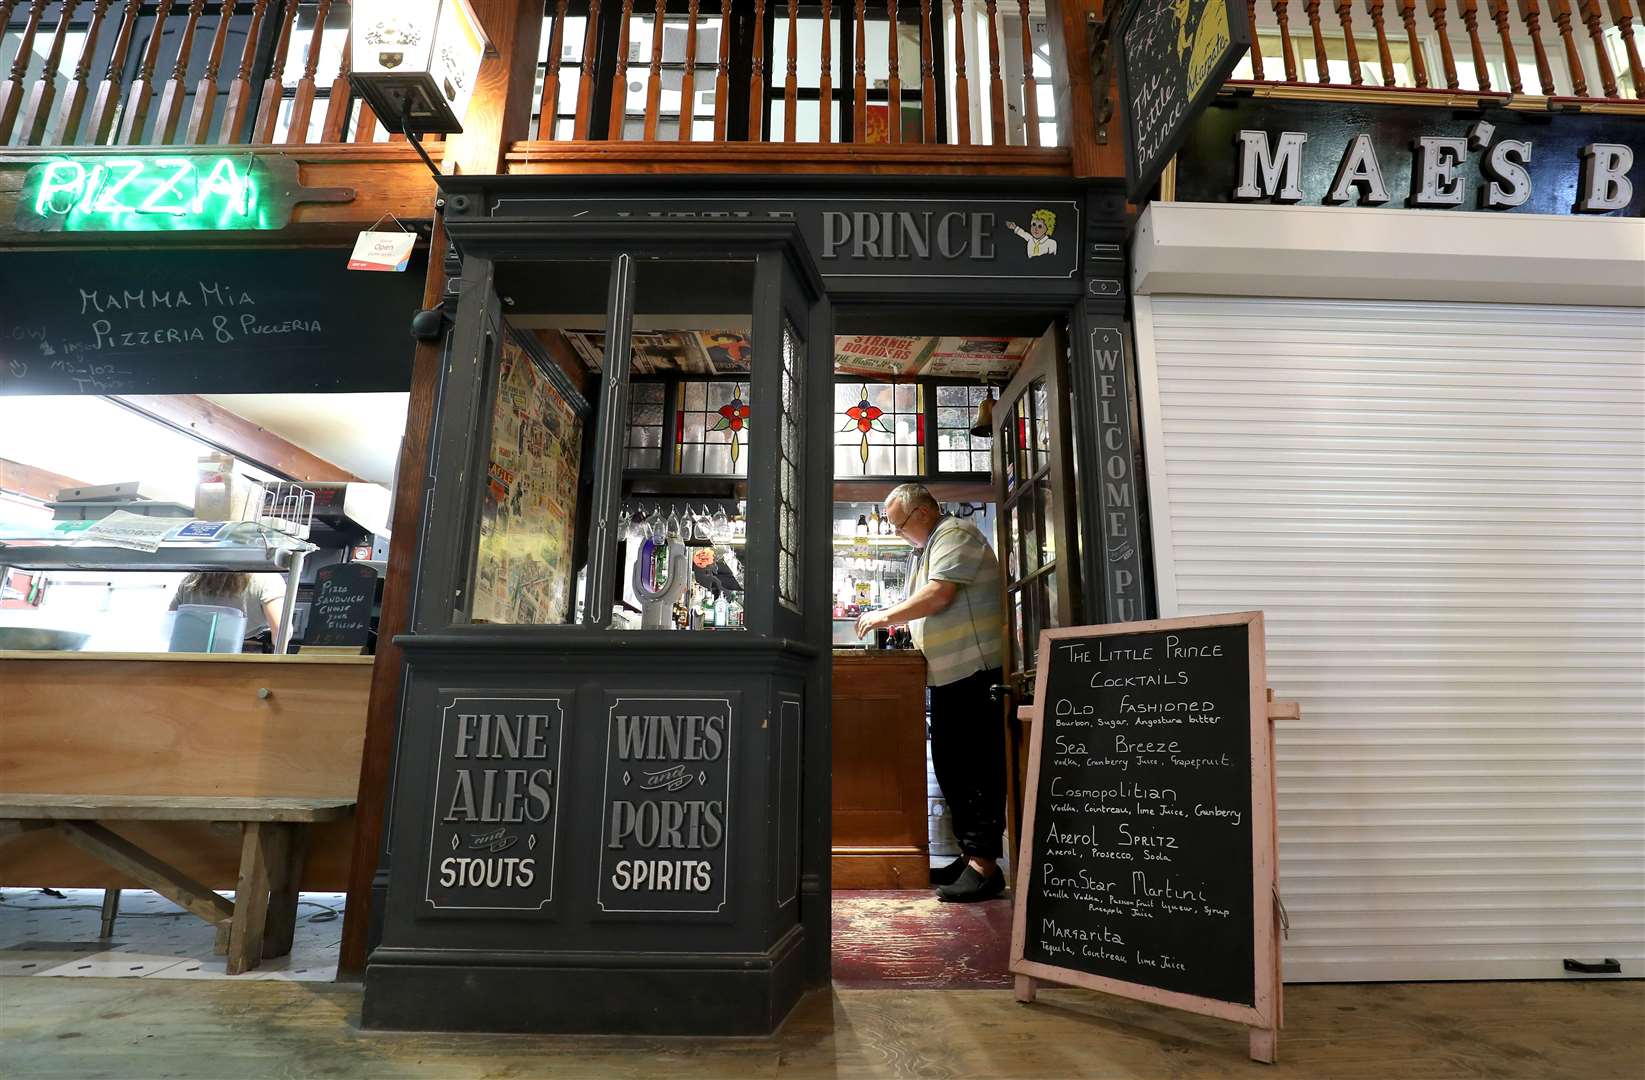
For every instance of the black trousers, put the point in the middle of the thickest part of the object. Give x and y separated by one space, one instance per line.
968 755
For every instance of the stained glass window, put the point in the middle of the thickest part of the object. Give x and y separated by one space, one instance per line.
711 427
644 445
957 449
789 456
879 429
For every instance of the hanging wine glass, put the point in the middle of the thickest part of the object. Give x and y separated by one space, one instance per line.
657 527
673 522
722 524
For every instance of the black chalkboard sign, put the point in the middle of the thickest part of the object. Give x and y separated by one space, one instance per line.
339 612
1147 866
496 820
1172 57
202 321
666 828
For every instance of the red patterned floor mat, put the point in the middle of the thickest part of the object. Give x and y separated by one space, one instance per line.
909 940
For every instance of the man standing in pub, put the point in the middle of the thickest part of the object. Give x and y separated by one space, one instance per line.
953 610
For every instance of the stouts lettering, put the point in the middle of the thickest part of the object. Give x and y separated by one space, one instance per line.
669 744
1271 170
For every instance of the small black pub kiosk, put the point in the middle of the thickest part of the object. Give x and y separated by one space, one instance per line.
600 829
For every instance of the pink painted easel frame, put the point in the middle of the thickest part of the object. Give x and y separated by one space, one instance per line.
1265 1016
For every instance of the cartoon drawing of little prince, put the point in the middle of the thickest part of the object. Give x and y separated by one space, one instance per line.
1040 227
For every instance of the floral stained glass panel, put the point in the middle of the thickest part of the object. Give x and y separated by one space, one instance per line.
879 429
711 428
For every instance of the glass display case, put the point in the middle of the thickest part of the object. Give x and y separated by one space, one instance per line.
871 566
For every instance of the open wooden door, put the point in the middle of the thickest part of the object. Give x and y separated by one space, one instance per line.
1037 532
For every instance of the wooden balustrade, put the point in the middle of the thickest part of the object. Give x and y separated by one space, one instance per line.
1496 35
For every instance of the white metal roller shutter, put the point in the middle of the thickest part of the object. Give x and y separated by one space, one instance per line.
1441 509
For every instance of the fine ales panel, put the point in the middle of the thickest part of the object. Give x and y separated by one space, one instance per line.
1142 818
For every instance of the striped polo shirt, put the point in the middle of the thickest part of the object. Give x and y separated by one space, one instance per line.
967 636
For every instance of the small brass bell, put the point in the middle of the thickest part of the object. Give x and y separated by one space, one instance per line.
983 425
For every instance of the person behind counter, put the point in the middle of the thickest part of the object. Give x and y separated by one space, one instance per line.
953 609
260 596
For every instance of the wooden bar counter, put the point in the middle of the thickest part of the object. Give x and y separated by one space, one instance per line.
179 724
880 810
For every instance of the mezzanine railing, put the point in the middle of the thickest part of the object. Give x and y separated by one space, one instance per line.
1553 48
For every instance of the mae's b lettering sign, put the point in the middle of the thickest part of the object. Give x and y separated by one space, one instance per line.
496 804
666 835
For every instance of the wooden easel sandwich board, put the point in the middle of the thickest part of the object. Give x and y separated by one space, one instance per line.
1151 751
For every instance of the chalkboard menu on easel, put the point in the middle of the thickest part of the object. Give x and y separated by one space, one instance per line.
1172 59
340 613
1147 866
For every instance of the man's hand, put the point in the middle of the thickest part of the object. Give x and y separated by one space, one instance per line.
869 622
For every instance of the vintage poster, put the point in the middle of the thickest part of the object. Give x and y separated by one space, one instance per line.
880 356
988 358
523 573
687 352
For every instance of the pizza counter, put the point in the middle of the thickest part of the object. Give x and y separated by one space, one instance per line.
880 809
174 725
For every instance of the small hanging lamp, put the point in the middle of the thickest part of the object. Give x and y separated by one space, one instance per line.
983 425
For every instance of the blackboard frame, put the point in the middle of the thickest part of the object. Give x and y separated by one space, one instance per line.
1265 1012
1140 176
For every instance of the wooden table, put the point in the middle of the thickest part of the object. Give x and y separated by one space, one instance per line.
262 918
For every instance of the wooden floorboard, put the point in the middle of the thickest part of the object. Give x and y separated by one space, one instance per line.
86 1028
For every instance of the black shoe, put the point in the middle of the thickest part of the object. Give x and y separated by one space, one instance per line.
947 875
972 887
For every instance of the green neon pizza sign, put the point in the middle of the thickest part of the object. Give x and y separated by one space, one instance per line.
164 193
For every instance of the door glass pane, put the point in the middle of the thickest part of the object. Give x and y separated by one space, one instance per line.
1042 424
1013 565
1018 656
528 551
1031 531
1048 523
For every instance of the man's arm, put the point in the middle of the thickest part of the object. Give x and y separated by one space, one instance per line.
932 597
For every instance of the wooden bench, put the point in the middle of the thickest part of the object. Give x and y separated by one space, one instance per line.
262 918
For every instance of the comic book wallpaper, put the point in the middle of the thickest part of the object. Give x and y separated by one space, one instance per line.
523 573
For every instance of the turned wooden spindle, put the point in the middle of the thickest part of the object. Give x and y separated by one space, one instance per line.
996 87
1256 45
962 87
1504 29
1561 12
339 100
1345 15
654 76
73 103
548 106
170 112
825 80
722 78
302 102
1622 14
134 118
1287 50
1031 86
1470 21
893 83
1594 19
1530 11
618 111
268 104
13 90
1408 16
859 83
688 76
928 77
1385 56
238 105
1436 12
198 129
756 77
791 82
585 84
1322 61
37 111
105 104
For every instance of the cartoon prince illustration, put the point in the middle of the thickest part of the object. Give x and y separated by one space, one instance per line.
1040 227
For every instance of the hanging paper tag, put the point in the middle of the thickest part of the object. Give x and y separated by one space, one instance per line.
383 251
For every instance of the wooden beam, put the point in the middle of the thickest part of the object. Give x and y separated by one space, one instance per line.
236 435
383 710
500 111
42 484
132 860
